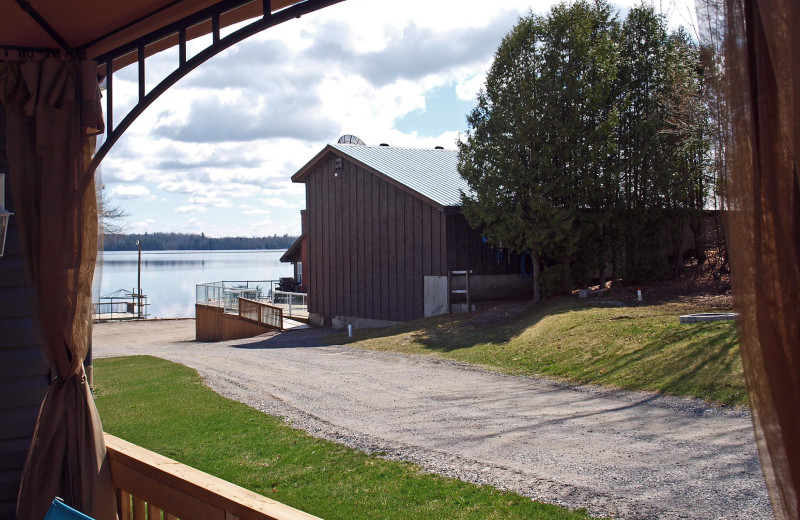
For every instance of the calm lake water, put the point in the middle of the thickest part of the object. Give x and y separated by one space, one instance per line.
169 277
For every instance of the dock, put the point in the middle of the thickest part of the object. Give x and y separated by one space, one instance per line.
120 305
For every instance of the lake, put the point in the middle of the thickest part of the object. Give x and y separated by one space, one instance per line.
169 277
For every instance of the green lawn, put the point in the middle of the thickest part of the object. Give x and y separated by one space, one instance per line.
641 347
165 408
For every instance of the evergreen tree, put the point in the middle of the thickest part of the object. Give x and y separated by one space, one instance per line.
688 135
580 74
589 145
662 146
537 153
644 171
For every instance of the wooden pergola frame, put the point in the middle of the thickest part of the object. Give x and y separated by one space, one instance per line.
89 35
766 49
131 46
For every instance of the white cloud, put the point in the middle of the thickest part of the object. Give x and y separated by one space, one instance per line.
467 88
191 208
257 211
212 200
143 226
232 133
274 226
182 186
279 203
294 114
193 225
131 192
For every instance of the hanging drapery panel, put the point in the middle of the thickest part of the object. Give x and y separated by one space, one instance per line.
763 67
53 112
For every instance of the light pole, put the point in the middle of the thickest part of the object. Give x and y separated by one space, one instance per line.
139 281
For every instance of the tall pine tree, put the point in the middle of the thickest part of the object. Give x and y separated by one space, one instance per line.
536 152
588 145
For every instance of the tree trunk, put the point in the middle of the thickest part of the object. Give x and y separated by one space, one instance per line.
698 227
537 292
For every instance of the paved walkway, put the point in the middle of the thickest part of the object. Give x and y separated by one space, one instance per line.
624 455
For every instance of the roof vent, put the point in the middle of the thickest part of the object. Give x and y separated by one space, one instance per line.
439 148
384 144
350 139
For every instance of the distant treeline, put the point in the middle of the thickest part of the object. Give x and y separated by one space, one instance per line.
185 241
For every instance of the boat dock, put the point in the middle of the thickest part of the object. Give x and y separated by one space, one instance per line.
121 305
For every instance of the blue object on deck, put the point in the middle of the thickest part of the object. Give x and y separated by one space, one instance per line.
61 511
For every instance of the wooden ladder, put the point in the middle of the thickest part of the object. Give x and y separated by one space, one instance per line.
451 291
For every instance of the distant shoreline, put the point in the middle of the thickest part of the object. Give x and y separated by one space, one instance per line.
194 242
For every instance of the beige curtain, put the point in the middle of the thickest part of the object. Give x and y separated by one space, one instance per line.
763 65
53 111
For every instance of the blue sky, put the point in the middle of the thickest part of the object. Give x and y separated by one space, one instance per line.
442 112
215 153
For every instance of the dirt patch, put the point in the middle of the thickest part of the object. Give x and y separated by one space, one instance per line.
143 332
703 285
499 312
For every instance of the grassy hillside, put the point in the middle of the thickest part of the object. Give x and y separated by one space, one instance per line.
639 347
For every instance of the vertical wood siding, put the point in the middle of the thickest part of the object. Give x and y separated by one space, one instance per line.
370 244
383 240
466 250
409 231
392 248
24 376
360 243
400 253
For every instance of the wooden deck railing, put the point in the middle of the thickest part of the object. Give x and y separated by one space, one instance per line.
261 313
148 484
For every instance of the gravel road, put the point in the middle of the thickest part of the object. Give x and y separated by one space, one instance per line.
619 454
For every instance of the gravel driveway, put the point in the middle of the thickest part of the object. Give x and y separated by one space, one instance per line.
619 454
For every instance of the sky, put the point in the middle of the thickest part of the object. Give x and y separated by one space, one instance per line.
216 152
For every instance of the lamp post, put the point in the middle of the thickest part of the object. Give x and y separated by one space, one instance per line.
4 214
139 282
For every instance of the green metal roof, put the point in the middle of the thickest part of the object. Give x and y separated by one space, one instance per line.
431 173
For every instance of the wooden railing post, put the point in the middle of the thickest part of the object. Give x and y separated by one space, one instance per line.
148 482
254 311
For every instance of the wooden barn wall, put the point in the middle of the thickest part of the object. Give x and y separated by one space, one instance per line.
24 376
466 250
370 245
303 251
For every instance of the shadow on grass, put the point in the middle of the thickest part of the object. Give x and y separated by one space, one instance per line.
450 332
636 348
695 360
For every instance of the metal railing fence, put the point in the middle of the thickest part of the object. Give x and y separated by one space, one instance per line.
120 305
226 293
292 303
